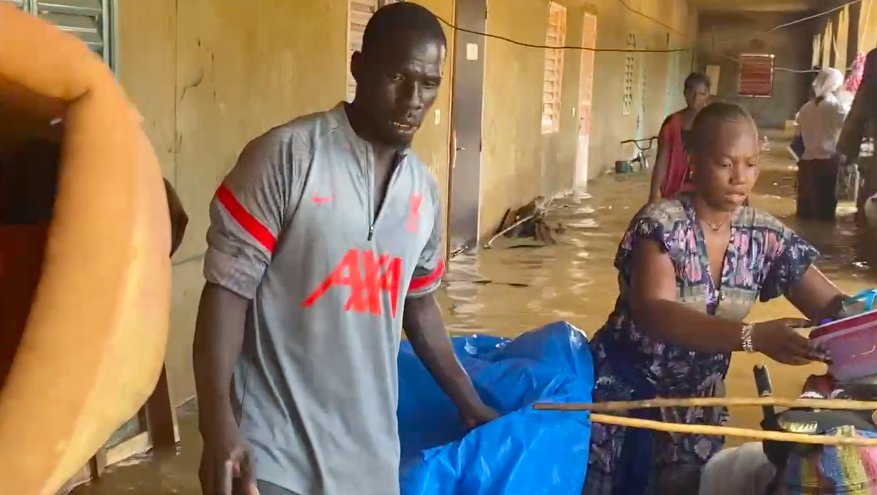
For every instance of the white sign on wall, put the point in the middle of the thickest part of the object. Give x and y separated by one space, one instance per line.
471 51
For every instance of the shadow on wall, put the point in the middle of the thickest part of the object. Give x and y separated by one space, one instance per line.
721 39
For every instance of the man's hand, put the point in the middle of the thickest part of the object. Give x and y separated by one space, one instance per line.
426 331
478 415
227 466
219 334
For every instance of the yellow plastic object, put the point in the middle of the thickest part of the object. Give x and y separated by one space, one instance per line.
94 341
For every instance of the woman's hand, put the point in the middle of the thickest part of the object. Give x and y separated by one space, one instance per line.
781 341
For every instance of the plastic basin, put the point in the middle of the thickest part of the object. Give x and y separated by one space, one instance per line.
852 343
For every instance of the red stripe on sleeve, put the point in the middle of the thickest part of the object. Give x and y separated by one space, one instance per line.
246 220
418 283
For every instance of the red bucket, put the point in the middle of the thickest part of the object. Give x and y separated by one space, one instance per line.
852 343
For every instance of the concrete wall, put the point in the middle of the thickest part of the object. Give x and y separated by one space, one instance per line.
208 76
519 162
792 47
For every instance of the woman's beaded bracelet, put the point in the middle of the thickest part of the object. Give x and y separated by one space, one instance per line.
746 337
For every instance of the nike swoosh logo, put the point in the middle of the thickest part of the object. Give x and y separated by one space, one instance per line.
322 199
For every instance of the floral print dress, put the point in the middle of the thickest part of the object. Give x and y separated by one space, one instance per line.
764 258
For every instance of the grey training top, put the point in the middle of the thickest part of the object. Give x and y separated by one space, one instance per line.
293 227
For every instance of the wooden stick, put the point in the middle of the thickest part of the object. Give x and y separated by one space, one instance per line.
545 209
848 405
776 436
510 227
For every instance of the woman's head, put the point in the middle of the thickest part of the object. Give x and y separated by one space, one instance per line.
697 90
724 155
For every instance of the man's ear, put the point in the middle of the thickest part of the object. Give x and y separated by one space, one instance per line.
356 66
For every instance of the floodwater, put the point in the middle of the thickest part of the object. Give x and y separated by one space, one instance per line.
512 288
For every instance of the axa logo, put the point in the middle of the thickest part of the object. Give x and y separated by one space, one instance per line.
368 276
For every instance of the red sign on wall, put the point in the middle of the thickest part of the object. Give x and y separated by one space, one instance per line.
756 75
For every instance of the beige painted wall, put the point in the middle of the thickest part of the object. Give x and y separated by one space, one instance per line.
520 163
208 76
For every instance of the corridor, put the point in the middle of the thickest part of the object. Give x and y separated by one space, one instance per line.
509 289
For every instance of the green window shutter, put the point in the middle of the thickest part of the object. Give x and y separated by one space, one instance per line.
83 18
17 3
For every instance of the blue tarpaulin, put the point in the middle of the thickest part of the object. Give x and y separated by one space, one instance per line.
525 452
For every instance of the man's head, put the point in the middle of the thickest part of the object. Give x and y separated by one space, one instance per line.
697 90
398 71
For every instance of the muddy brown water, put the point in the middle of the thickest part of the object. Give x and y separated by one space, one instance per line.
510 289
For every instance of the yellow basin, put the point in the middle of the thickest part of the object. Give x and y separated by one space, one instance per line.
85 291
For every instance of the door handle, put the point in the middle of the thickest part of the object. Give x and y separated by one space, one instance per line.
461 149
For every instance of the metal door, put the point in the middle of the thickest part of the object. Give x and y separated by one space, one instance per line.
465 193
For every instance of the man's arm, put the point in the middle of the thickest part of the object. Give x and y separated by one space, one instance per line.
219 336
430 340
246 216
422 320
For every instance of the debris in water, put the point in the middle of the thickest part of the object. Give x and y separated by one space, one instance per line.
529 222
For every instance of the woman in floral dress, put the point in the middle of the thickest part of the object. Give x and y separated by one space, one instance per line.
690 268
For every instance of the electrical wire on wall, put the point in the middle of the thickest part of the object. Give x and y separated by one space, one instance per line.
786 25
792 23
531 45
783 69
669 50
641 14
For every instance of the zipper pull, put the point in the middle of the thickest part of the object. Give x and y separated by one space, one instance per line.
371 231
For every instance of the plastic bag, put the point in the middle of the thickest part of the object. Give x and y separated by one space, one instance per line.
862 302
525 452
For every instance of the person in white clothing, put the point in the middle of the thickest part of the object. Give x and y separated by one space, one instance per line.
820 122
743 470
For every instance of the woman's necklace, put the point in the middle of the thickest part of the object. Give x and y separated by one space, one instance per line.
714 227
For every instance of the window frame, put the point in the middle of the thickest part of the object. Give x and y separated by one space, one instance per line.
751 60
552 90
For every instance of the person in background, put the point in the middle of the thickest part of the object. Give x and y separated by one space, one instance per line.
690 268
862 123
179 218
820 122
671 174
324 242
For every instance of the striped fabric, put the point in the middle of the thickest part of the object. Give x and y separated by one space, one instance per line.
832 469
854 80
